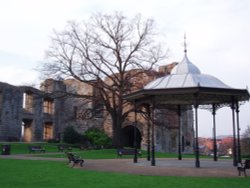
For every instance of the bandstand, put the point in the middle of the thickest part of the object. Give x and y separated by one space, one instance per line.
186 87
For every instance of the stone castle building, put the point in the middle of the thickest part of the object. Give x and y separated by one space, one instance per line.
30 115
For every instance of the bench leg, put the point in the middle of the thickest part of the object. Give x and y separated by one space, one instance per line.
71 163
81 163
242 170
239 171
74 163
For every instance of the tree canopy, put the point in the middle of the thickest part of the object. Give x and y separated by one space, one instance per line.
101 52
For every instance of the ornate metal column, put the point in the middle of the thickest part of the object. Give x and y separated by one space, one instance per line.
135 135
238 133
148 134
153 133
234 138
197 160
214 133
179 132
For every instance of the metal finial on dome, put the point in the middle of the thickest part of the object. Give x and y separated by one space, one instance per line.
185 66
185 44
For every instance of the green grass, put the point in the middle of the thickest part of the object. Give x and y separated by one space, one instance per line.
86 154
52 151
111 154
30 174
22 148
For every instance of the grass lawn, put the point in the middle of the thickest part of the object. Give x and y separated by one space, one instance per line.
52 151
22 148
30 174
110 154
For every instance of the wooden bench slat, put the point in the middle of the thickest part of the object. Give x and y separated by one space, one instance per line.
36 148
124 151
64 147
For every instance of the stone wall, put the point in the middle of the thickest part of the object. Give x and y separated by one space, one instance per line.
71 107
79 112
20 119
10 117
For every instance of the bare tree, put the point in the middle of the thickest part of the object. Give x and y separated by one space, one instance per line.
101 52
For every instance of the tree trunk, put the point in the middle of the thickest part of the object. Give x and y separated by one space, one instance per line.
117 130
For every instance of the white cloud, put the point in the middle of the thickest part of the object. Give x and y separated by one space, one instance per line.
27 24
16 69
18 76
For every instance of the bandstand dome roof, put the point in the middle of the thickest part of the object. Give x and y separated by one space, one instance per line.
184 75
187 85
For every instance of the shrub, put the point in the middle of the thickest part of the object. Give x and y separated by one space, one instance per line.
71 136
97 138
53 140
13 139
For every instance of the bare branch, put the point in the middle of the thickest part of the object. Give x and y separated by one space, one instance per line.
102 52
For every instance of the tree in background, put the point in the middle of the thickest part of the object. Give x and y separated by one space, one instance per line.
100 52
226 146
71 136
245 142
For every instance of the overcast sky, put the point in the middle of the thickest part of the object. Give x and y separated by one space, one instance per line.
218 38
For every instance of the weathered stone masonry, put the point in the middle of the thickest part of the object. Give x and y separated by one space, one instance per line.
28 114
10 112
14 118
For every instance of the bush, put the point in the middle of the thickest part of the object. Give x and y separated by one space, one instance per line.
71 136
53 140
97 138
13 139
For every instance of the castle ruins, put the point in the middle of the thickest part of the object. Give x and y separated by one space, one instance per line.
28 114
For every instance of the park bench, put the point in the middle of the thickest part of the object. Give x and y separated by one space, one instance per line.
125 151
64 148
74 159
243 166
33 149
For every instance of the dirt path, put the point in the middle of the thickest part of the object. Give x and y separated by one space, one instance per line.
164 167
